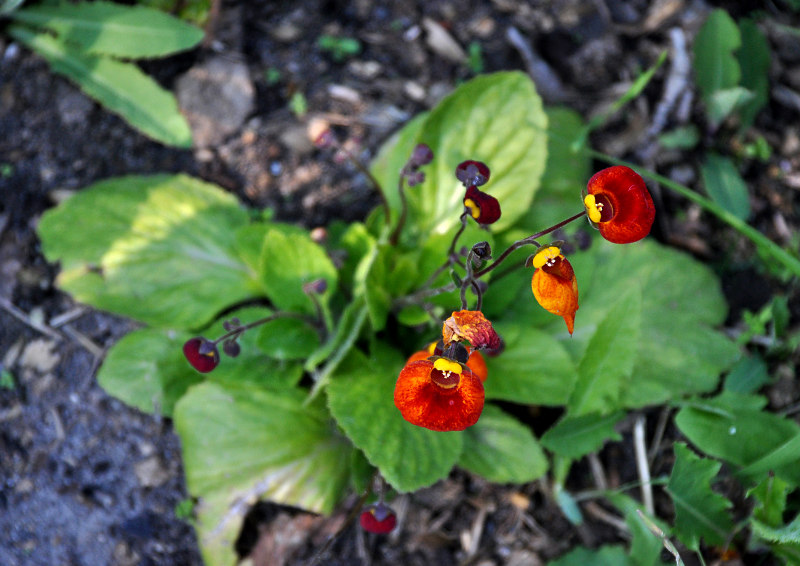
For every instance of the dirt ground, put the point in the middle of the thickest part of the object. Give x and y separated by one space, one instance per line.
89 481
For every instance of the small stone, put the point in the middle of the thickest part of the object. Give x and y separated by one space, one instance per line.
40 355
442 43
150 472
414 91
366 70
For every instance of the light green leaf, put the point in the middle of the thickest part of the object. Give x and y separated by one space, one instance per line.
497 119
533 368
756 441
609 358
645 547
289 259
609 555
682 137
243 444
722 103
361 399
288 339
754 59
770 495
574 437
113 29
160 249
146 369
715 66
501 449
700 513
787 534
725 185
121 87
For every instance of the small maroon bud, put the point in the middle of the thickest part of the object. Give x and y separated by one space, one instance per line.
231 348
229 325
422 155
378 518
202 354
415 178
472 173
482 250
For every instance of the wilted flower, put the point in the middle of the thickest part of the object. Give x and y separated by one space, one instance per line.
471 326
378 518
554 284
439 394
619 205
201 353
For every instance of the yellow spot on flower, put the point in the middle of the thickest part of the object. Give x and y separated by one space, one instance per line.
546 256
474 209
592 208
445 365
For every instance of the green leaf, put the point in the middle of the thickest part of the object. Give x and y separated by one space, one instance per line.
288 339
722 103
715 66
146 369
646 546
241 444
289 259
533 368
754 59
682 137
105 28
497 119
501 449
747 375
608 361
121 87
757 442
787 534
160 249
700 513
770 495
610 555
361 399
574 437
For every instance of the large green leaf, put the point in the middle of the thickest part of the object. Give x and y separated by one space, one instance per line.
113 29
289 259
610 555
241 444
700 513
497 119
121 87
533 368
608 361
159 249
715 66
574 437
361 399
757 442
502 449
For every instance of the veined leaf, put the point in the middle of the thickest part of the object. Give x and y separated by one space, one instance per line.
241 444
700 513
160 249
114 29
502 449
574 437
361 399
121 87
497 119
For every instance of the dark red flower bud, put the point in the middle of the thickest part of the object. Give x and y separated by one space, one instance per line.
202 354
378 518
472 173
483 207
422 155
231 348
316 287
